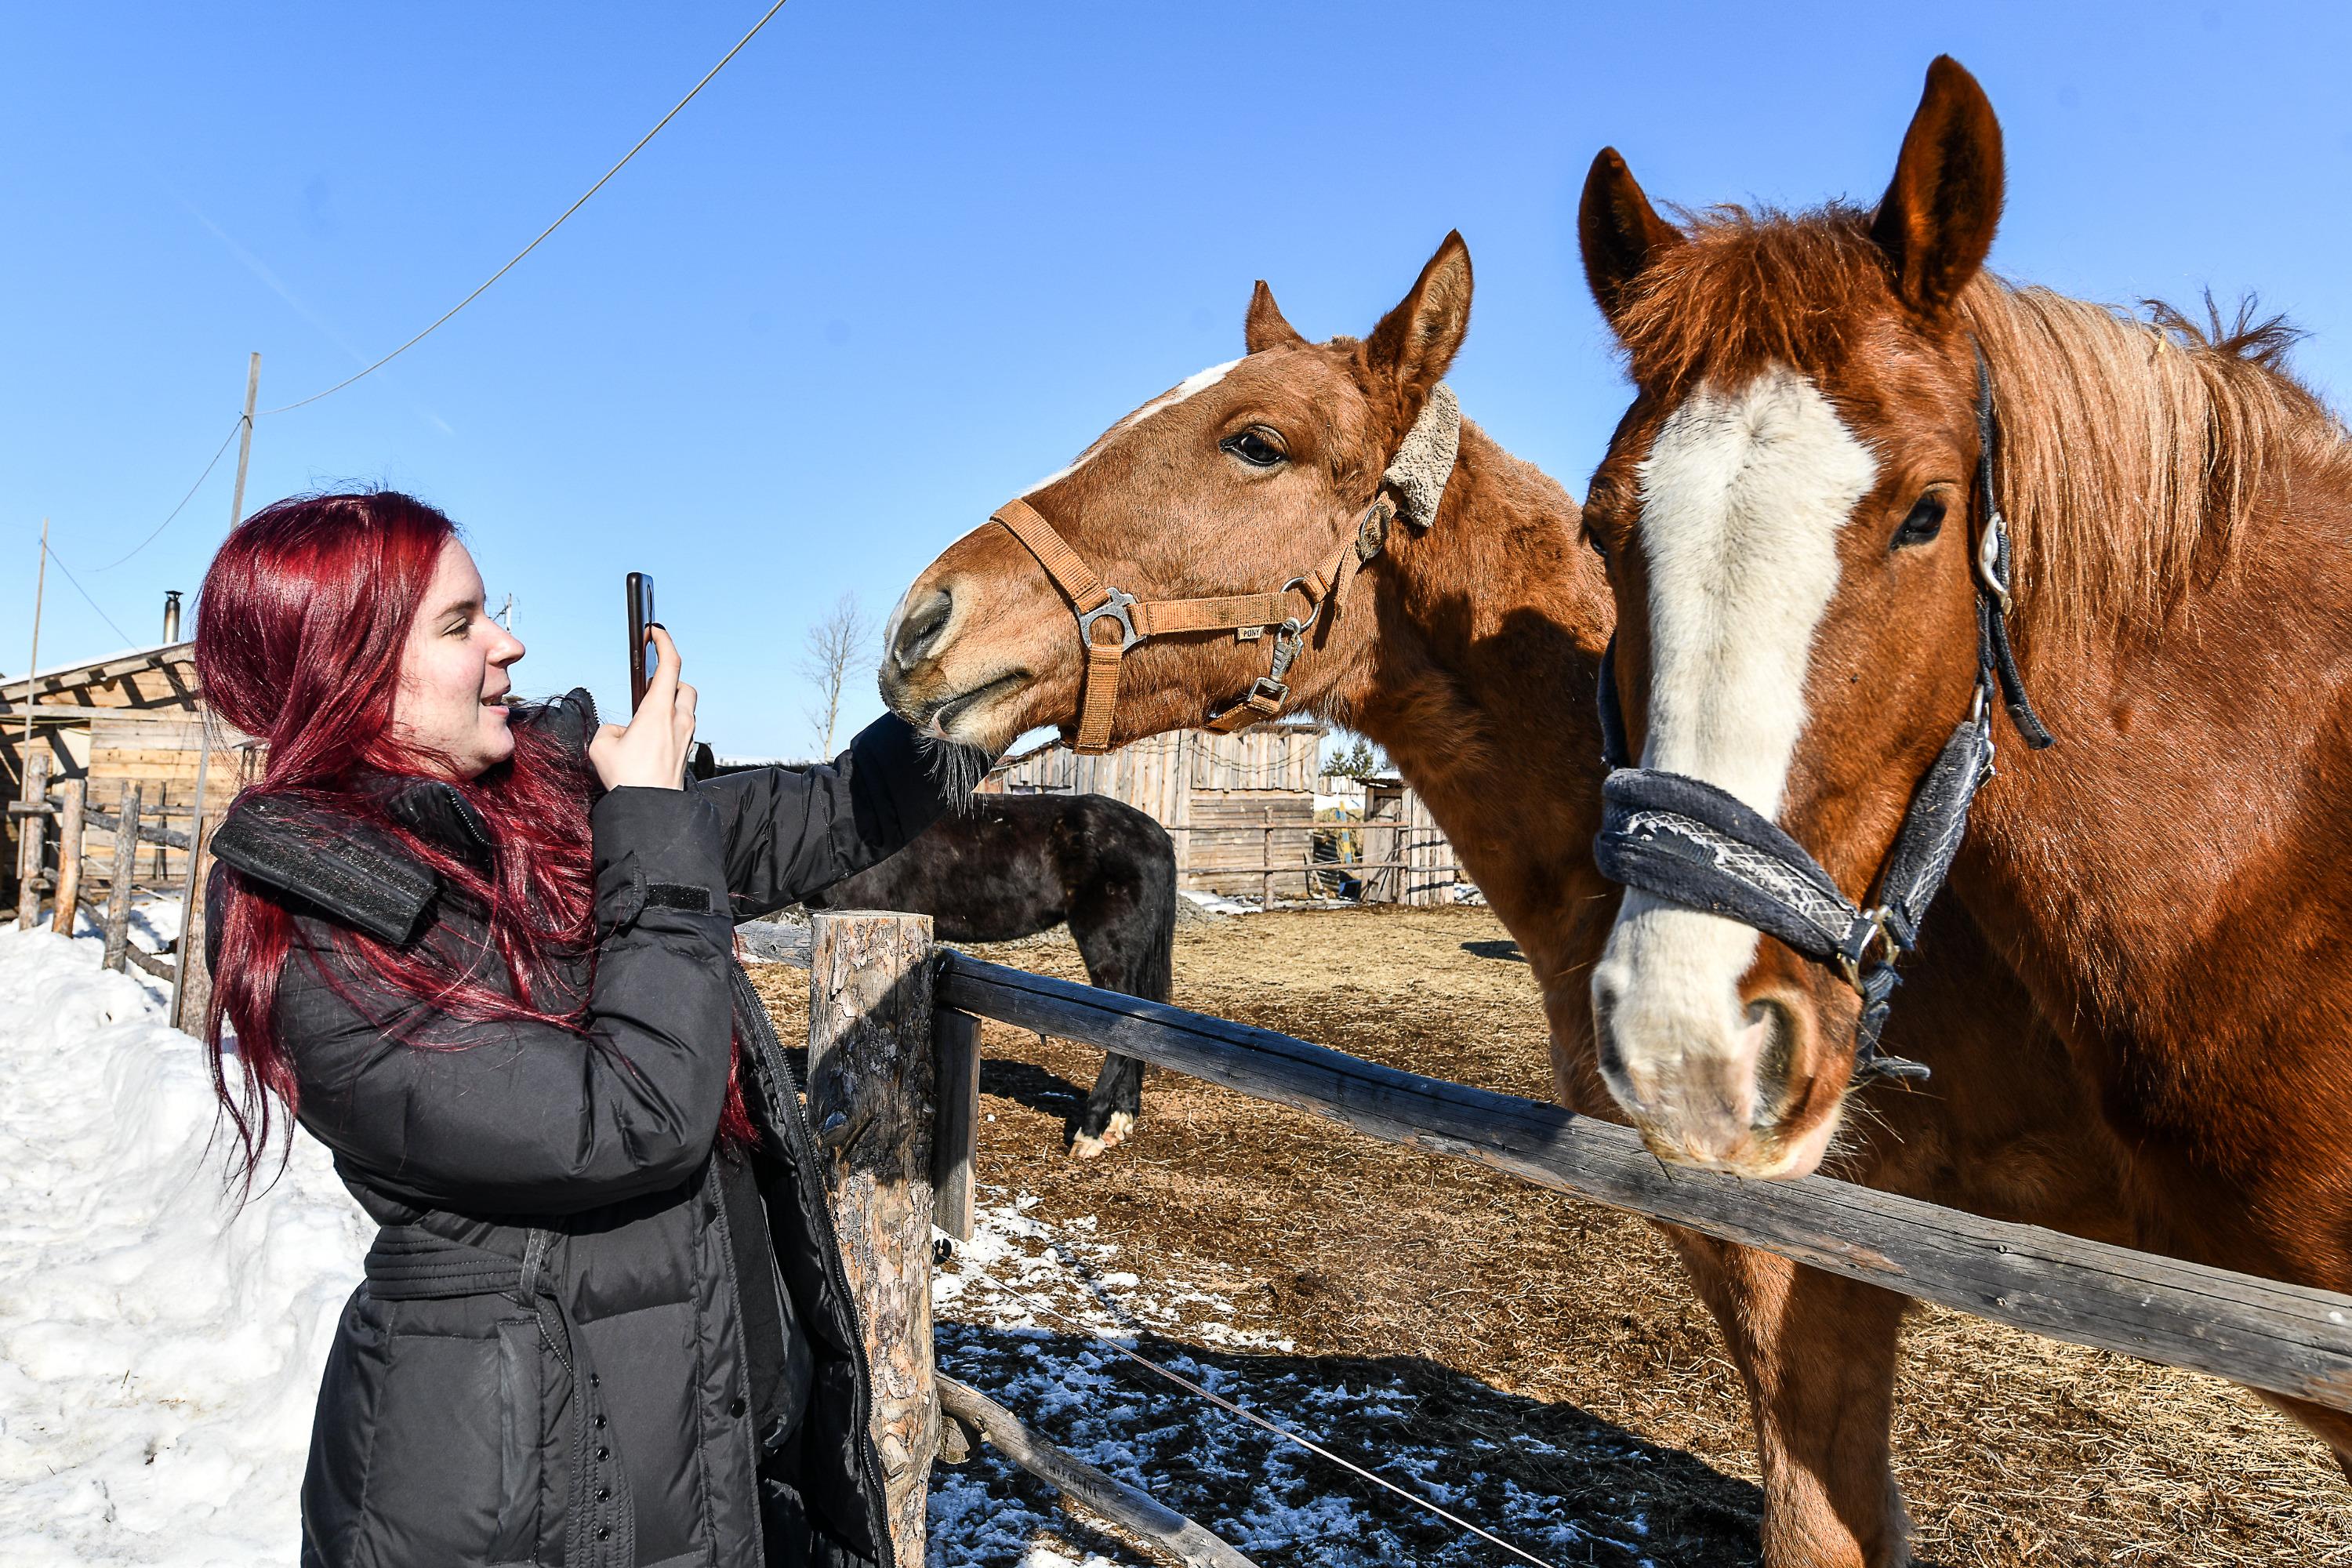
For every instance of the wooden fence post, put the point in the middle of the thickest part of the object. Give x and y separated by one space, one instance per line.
956 1137
126 869
68 856
872 1102
30 832
192 978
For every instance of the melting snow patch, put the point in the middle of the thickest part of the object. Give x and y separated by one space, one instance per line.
1016 1309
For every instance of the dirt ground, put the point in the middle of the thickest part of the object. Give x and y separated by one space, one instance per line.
1558 1337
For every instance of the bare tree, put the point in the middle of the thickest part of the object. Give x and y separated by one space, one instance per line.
841 642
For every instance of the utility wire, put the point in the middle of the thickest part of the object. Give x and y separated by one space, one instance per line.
1034 1305
127 640
460 305
551 228
184 500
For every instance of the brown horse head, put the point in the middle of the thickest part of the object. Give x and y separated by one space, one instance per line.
1788 512
1237 481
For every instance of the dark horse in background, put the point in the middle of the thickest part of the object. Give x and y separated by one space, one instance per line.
1014 865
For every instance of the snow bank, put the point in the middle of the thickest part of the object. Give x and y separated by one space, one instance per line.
159 1355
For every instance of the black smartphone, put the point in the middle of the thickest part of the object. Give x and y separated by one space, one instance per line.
642 662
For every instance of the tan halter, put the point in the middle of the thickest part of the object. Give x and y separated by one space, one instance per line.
1111 620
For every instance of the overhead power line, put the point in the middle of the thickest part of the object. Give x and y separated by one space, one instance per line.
184 500
551 228
283 408
127 640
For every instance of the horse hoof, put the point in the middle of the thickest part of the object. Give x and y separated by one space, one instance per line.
1090 1145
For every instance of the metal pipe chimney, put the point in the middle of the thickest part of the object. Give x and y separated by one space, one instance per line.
171 615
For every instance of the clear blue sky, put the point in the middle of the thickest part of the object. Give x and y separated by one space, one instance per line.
900 260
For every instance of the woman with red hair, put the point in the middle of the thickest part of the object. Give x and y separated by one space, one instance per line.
484 952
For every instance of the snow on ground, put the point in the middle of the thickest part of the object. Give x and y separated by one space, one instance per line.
158 1356
1016 1307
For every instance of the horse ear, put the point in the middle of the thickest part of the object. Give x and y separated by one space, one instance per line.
1936 222
1619 233
1264 328
1416 341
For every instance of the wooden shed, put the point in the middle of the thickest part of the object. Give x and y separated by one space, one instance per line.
131 716
1239 804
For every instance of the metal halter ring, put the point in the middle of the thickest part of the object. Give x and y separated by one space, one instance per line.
1880 936
1294 626
1115 608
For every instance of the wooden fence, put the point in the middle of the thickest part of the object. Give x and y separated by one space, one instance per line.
2285 1339
1241 811
136 825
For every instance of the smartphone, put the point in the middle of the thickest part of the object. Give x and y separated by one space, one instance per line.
642 661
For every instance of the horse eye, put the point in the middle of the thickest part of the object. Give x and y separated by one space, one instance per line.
1254 448
1925 522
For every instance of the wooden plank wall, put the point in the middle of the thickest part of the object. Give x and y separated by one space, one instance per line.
163 756
1229 840
1216 795
1432 873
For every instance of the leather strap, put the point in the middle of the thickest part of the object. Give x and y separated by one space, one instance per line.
1260 705
1071 574
1110 621
1161 616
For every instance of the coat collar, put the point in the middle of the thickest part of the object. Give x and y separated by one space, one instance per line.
436 809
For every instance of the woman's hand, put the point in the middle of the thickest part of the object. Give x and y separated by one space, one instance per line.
651 752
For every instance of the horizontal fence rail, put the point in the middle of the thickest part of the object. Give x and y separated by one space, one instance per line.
105 822
2285 1339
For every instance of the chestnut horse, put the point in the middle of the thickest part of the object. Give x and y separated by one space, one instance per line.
1467 647
1799 540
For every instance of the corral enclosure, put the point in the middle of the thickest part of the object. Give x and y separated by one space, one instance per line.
1535 1360
1236 804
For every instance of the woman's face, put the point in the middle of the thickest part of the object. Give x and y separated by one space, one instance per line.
453 673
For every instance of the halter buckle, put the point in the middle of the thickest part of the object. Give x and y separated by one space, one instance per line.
1990 550
1266 696
1117 607
1850 962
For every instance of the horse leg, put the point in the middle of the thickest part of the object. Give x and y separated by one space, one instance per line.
1817 1353
1111 1109
1125 934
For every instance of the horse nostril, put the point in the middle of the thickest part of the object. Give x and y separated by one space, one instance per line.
1776 1059
921 628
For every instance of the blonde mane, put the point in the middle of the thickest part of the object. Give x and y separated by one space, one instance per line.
2131 448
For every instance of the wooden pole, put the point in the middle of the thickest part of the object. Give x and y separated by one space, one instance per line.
955 1140
31 828
192 987
40 584
1266 857
126 871
871 1100
68 856
244 440
1127 1507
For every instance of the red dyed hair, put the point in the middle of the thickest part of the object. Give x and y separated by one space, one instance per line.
301 628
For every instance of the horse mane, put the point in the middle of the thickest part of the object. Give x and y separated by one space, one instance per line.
2132 447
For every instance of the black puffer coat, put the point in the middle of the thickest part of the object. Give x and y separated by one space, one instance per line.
584 1338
